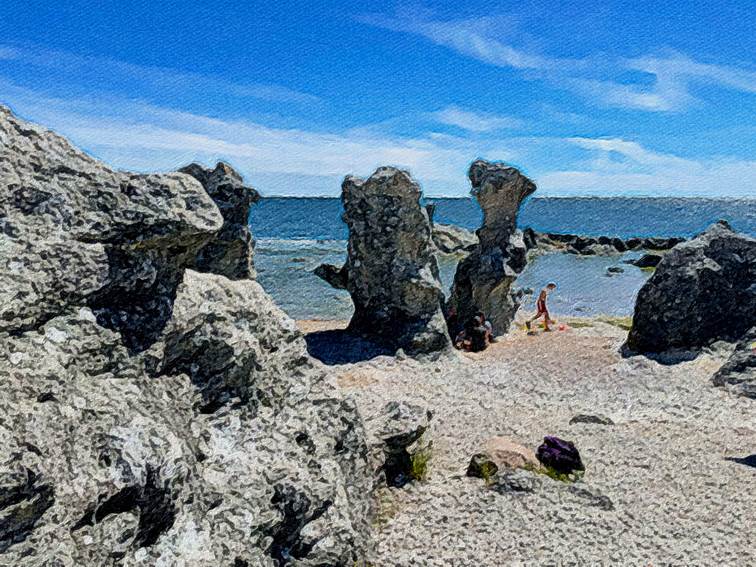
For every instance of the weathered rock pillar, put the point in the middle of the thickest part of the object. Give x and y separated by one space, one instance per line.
392 274
483 279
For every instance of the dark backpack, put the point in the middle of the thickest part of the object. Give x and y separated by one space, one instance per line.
560 455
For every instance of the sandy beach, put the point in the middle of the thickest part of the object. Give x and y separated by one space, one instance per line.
668 466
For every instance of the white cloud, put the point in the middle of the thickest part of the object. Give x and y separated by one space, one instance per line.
626 167
143 137
673 74
474 121
99 71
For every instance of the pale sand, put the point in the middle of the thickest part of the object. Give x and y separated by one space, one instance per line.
676 499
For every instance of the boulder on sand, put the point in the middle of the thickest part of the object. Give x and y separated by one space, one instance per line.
451 239
703 290
739 372
484 279
152 414
392 273
500 453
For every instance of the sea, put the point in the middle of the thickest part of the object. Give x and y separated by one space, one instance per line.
295 235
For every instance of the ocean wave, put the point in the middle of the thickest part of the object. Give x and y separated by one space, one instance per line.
290 245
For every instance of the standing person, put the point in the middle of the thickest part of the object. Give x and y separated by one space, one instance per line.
542 308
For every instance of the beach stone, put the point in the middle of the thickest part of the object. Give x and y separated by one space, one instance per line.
703 290
153 414
590 418
401 442
611 270
501 453
484 278
230 252
392 273
739 372
513 481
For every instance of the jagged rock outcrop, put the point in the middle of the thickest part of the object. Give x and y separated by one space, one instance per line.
335 276
229 253
739 372
451 239
703 290
484 278
401 442
391 270
593 245
154 415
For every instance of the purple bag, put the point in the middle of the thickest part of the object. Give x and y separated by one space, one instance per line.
560 455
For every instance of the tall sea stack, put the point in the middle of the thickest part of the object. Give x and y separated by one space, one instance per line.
391 269
484 278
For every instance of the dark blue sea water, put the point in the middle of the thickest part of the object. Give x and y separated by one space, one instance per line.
295 235
320 218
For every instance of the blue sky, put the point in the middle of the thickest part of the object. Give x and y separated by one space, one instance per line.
620 98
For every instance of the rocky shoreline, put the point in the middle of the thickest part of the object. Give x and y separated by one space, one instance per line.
160 409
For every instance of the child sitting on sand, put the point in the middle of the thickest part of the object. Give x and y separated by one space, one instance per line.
542 308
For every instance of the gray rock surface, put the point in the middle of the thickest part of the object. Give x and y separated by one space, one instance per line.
703 290
151 414
230 252
451 239
401 440
594 245
739 372
484 279
392 273
335 276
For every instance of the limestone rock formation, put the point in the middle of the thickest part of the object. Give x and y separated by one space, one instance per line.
703 290
392 273
401 440
230 252
451 239
335 276
593 245
739 372
154 415
484 279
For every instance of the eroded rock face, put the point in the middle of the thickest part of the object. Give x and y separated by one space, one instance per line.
154 415
483 280
739 372
391 270
703 290
230 252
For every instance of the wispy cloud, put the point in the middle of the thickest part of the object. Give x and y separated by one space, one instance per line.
672 75
474 121
96 72
145 137
615 165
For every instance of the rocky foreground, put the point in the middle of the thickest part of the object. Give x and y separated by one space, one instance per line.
157 408
669 481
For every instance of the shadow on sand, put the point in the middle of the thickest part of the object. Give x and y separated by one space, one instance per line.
339 346
749 461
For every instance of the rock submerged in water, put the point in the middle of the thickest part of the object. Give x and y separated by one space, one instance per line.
702 291
484 279
391 269
153 414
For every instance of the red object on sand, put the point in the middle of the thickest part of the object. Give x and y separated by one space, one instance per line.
562 327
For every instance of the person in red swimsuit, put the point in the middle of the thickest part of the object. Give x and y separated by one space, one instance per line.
542 308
